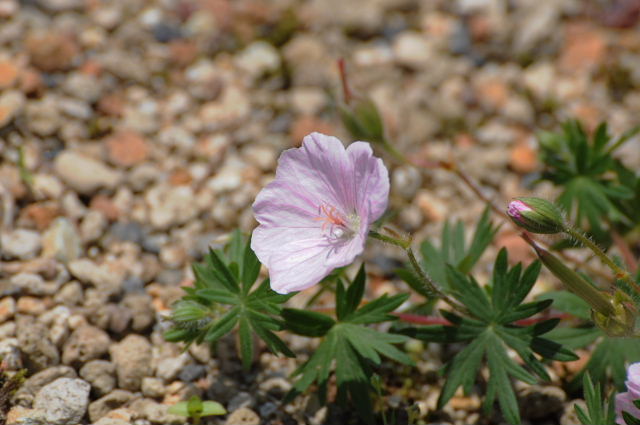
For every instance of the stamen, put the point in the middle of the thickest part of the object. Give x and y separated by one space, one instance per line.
330 216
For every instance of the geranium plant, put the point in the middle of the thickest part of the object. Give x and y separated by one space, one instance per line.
328 201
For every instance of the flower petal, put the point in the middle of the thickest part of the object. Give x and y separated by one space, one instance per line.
370 180
321 169
624 402
267 241
298 264
633 380
315 215
280 204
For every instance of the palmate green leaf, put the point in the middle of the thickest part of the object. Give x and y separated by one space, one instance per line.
490 328
222 300
600 411
609 359
355 349
347 302
453 251
349 347
307 323
596 186
574 338
610 355
629 419
569 303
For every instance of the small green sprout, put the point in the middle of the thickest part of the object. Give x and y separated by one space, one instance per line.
195 409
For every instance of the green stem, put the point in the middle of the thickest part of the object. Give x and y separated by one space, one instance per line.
431 286
428 283
619 272
402 243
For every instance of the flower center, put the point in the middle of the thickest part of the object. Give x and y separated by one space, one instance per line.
334 223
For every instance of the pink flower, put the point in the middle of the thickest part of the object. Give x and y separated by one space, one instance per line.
516 208
624 401
315 215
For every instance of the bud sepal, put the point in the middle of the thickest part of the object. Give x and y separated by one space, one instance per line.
536 215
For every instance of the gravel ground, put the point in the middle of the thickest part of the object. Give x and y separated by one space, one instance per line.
134 134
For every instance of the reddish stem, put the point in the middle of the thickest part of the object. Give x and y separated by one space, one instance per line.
422 320
342 68
431 320
625 251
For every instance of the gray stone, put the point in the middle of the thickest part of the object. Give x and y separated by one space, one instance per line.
268 409
155 412
258 58
223 389
84 174
7 330
12 102
191 372
32 385
93 226
64 401
33 284
133 285
119 318
124 65
170 205
242 399
60 5
153 387
104 405
43 116
243 416
132 357
538 401
143 314
125 231
20 243
83 86
10 354
70 294
85 343
168 368
101 277
101 374
276 386
33 337
413 49
7 308
61 241
111 421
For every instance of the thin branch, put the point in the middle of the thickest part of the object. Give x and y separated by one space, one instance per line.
625 251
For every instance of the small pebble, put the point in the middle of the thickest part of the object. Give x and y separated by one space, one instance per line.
84 174
132 357
243 416
101 375
20 243
64 401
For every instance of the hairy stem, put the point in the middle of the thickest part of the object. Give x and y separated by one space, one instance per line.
625 250
477 190
402 243
431 286
427 282
618 271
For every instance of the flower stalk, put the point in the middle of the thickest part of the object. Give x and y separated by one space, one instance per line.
430 286
618 271
613 314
